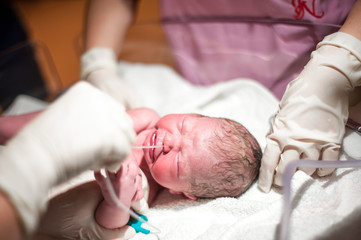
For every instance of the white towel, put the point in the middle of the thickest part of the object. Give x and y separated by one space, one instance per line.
318 203
323 208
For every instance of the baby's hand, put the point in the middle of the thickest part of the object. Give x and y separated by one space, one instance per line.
127 184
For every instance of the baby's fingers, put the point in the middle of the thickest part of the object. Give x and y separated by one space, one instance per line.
139 194
129 170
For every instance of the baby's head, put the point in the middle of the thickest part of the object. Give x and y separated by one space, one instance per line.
202 157
238 156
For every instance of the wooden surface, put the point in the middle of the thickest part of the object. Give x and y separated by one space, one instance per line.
57 27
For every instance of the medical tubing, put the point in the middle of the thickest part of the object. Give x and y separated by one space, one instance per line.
141 147
290 168
121 205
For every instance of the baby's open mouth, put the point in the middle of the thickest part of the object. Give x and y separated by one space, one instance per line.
152 143
154 153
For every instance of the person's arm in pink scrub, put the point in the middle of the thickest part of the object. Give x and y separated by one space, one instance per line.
11 124
106 25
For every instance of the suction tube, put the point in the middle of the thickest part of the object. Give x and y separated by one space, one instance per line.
290 168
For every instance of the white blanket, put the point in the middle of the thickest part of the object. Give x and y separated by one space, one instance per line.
318 204
322 207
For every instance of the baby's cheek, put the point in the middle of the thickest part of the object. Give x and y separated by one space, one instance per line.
160 175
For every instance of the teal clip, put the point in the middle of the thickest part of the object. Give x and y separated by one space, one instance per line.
136 224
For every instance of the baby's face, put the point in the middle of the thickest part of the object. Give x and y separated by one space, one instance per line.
185 149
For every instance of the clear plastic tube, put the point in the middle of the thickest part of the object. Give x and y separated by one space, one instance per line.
140 147
290 168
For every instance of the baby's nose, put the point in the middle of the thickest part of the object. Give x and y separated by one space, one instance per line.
171 142
166 148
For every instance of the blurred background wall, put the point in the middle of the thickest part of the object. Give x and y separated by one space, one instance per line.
58 25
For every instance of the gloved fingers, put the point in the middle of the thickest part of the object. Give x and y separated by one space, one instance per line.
123 151
72 212
122 141
322 172
310 154
99 176
109 81
69 210
330 153
269 162
101 181
307 170
286 157
114 166
97 58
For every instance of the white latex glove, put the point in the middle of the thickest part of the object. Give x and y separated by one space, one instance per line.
99 67
71 216
312 114
83 129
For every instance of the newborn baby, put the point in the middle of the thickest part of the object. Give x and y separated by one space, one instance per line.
189 154
193 155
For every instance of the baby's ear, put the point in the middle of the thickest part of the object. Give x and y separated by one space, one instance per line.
189 196
181 193
174 192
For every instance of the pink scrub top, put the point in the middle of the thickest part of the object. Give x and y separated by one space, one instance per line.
269 41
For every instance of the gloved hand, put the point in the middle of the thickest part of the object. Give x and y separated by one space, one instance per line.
99 67
310 123
83 129
70 215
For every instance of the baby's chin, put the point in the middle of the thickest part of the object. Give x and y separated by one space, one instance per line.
147 158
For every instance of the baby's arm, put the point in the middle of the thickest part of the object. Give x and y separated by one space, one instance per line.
127 183
143 118
11 124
